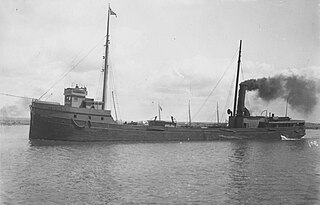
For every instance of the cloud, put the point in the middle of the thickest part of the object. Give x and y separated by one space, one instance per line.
247 0
174 81
125 42
159 50
198 74
178 2
19 109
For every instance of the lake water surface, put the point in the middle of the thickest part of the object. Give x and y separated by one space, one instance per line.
217 172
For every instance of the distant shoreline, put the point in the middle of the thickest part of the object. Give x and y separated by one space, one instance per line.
312 126
11 122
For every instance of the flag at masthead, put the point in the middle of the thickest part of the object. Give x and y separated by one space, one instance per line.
112 12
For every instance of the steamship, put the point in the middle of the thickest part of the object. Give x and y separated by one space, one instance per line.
84 119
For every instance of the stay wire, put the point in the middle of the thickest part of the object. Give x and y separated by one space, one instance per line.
73 67
17 96
242 75
215 85
115 91
98 91
228 101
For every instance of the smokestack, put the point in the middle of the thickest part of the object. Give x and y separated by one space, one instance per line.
241 99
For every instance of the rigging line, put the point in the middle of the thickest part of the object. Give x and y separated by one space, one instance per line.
48 97
228 98
116 95
99 90
98 86
17 96
117 102
73 59
111 87
73 67
115 91
216 85
242 75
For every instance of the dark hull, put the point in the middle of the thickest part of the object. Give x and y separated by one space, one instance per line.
55 122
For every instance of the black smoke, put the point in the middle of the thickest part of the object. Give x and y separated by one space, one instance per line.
299 91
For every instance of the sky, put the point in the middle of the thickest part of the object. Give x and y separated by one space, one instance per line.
166 52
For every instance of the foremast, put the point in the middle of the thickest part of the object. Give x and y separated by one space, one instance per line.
106 66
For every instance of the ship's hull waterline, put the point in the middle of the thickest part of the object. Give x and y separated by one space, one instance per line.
57 122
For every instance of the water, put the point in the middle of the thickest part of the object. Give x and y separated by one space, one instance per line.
219 172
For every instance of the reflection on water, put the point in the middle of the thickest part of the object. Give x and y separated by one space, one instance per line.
274 173
220 172
238 171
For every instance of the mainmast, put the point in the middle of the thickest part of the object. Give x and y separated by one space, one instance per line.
189 112
217 113
237 81
105 76
159 109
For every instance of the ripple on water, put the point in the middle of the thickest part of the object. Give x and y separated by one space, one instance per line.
220 172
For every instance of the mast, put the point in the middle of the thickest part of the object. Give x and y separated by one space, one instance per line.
217 113
159 109
237 81
287 107
106 66
189 111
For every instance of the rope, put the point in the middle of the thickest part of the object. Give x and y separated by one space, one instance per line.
113 75
73 67
114 88
98 91
17 96
116 96
242 75
215 85
228 98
